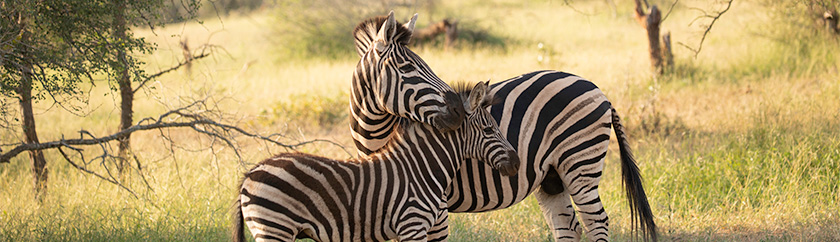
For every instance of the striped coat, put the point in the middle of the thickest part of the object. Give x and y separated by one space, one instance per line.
397 193
560 125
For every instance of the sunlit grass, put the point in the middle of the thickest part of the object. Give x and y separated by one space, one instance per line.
738 144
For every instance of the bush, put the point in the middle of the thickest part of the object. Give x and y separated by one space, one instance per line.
803 17
306 109
323 29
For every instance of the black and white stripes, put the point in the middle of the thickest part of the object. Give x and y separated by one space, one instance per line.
397 193
560 125
392 81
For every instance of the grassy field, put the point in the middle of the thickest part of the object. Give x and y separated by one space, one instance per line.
741 143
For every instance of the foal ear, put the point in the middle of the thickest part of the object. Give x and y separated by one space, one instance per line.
477 96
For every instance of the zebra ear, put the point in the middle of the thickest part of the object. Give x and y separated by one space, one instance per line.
477 96
388 28
410 24
488 99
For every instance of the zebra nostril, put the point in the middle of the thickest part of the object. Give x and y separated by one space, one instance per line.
508 165
514 159
455 107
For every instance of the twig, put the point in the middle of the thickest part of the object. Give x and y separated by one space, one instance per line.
112 181
575 9
181 64
708 28
669 10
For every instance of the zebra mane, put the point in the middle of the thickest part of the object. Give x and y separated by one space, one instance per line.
366 31
464 88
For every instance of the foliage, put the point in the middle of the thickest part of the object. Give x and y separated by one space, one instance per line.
322 29
800 17
69 41
473 35
180 11
307 109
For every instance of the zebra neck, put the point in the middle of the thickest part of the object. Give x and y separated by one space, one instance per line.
423 145
371 125
371 133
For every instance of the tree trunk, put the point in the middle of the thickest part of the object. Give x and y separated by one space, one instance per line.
451 34
667 55
124 83
650 22
39 164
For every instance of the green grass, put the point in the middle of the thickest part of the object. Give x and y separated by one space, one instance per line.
741 143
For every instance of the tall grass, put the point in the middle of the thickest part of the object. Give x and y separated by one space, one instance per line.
738 144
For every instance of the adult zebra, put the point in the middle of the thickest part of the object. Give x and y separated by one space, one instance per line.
560 124
391 81
397 193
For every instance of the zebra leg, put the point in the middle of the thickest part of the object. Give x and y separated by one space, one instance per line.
263 223
583 188
559 213
440 231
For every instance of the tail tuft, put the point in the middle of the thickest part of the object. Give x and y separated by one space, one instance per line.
238 228
639 207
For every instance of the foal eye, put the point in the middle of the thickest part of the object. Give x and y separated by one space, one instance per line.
407 68
488 130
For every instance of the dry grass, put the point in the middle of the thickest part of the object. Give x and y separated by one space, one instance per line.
739 144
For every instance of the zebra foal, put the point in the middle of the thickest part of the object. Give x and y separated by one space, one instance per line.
397 193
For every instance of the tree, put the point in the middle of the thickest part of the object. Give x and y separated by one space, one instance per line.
661 56
51 46
19 67
47 51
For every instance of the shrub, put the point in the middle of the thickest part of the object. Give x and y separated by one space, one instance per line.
307 109
323 29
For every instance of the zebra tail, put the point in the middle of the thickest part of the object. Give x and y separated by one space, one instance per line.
640 212
238 219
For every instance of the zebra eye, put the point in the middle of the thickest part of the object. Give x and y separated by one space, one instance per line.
407 68
488 130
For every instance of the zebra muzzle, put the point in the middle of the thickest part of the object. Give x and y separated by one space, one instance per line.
509 166
453 115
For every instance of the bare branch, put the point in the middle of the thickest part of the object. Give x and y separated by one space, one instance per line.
669 10
109 179
181 64
197 122
708 28
568 4
81 168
